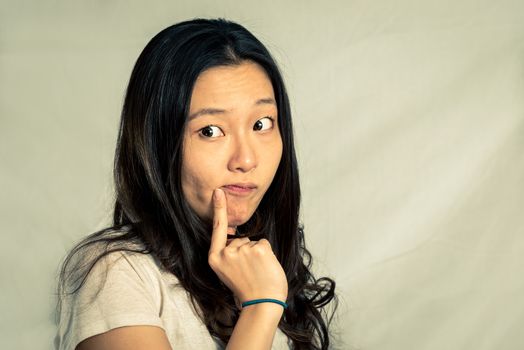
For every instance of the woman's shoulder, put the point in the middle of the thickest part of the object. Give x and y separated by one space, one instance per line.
117 286
110 253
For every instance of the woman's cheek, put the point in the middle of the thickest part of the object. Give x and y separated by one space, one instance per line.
203 178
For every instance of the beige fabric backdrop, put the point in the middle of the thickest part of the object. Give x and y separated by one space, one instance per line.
410 129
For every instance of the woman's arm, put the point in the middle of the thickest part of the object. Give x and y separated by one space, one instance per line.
256 327
254 330
128 338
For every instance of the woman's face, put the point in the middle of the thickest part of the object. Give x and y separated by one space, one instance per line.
232 137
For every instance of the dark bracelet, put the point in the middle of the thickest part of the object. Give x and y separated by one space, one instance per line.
256 301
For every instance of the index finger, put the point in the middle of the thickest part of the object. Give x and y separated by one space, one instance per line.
219 235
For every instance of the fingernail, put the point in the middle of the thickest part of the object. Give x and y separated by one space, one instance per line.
216 194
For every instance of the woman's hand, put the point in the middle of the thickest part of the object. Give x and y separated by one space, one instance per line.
249 268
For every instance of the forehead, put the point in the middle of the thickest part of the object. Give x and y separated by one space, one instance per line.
231 85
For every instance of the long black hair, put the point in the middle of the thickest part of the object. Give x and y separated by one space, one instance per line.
149 204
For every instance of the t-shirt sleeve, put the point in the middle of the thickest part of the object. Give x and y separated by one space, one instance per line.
117 292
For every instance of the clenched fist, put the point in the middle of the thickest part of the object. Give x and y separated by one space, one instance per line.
248 268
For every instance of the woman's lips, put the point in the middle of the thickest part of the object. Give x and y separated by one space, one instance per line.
240 189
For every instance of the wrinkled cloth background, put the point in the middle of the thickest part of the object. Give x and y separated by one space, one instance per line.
409 123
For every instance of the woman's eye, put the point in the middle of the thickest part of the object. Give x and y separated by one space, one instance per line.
211 131
268 122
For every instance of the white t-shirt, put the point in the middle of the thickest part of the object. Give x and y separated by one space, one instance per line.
137 291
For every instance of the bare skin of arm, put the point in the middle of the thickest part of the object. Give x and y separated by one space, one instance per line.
256 327
128 338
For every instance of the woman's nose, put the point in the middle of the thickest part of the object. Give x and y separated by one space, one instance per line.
243 156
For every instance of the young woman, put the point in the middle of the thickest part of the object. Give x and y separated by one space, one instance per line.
205 151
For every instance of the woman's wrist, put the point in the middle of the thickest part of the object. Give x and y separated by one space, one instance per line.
256 327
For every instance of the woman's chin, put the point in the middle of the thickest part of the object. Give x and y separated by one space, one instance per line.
238 215
236 221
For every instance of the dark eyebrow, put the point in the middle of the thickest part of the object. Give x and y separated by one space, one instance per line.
213 111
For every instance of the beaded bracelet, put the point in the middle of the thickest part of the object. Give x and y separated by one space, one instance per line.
256 301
